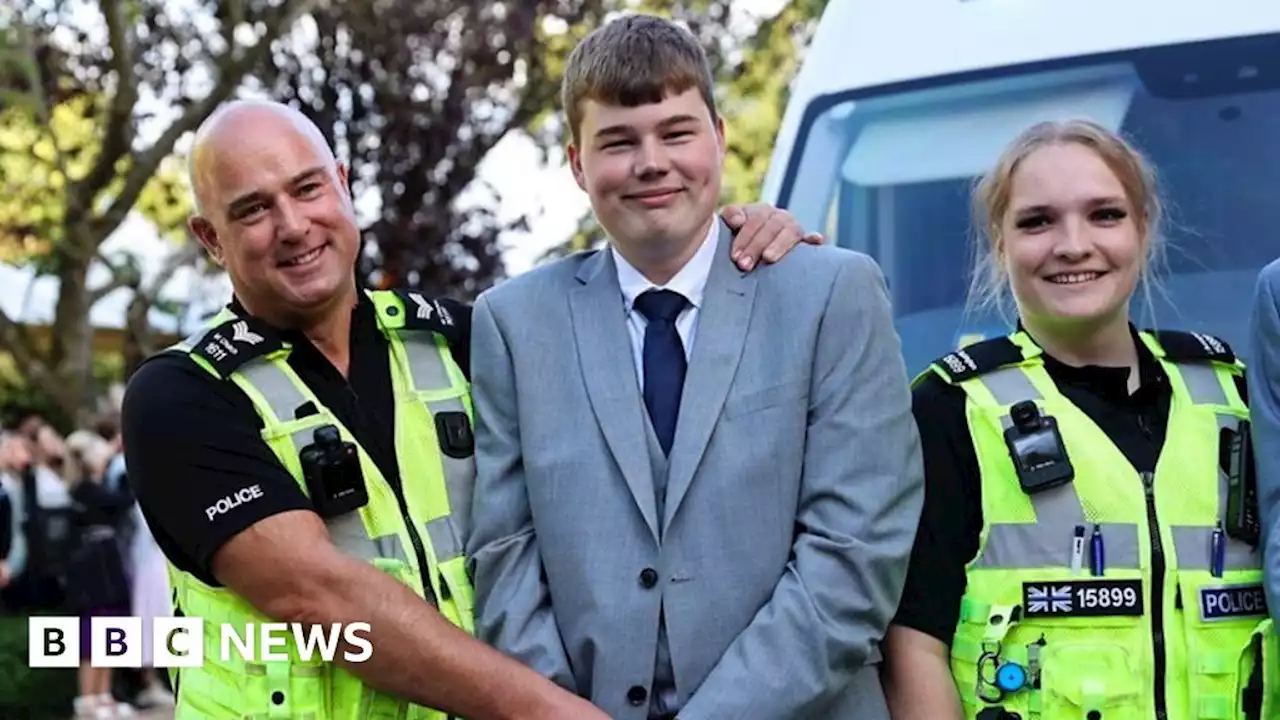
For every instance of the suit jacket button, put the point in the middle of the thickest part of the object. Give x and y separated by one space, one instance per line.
648 578
637 695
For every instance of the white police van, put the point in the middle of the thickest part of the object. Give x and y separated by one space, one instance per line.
899 105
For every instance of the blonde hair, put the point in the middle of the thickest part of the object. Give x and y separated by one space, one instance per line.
86 458
989 285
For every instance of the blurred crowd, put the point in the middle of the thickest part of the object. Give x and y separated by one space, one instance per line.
74 542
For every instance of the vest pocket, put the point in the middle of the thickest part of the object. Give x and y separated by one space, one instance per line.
1258 688
1088 680
1230 644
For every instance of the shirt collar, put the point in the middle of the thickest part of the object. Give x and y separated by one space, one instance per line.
1112 382
364 317
690 281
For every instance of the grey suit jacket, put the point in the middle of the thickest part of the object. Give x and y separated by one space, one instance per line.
1263 376
793 495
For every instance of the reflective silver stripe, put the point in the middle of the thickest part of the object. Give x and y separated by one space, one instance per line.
1048 541
1048 545
1009 385
1194 545
282 396
430 375
269 379
445 539
349 535
1202 383
426 367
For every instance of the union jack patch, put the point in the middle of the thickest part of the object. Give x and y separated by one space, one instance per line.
1082 598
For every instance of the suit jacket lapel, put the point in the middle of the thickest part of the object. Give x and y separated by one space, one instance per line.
605 359
717 348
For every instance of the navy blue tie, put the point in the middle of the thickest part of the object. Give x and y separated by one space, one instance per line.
664 361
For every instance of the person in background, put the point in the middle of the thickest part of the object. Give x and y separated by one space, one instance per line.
49 456
1264 379
143 561
44 504
108 428
148 579
1075 557
14 462
27 423
7 526
97 584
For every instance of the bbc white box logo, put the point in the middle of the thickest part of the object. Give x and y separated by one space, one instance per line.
53 642
177 642
56 642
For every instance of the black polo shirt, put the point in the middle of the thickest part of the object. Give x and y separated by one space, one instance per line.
951 521
191 439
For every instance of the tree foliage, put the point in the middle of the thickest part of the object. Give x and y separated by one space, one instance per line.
82 146
416 104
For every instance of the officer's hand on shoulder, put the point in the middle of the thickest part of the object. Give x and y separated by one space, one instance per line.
764 232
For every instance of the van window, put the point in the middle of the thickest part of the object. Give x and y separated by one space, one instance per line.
890 175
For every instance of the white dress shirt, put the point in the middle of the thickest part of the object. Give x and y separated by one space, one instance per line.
690 282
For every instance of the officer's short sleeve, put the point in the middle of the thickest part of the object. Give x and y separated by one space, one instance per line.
197 462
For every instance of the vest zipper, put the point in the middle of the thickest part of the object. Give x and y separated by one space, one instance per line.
1157 597
424 569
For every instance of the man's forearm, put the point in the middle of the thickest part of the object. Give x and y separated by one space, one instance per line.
420 656
917 679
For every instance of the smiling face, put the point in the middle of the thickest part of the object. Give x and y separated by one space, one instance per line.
276 211
1072 242
652 171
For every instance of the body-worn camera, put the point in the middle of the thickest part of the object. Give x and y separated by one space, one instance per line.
1036 446
332 471
1240 520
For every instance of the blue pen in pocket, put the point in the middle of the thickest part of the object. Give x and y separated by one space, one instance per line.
1218 551
1098 562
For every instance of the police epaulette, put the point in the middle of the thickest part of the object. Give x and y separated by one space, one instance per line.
980 358
235 342
1191 346
424 313
446 316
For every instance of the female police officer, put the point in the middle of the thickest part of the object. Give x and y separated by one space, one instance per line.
1081 554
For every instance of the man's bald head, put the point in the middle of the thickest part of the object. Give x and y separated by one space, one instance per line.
233 122
275 211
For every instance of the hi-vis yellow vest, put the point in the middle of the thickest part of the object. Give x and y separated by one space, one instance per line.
1157 636
415 535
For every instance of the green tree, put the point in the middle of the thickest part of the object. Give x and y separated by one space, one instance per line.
755 93
415 105
81 146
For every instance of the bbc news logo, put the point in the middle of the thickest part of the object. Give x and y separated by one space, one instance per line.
54 642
